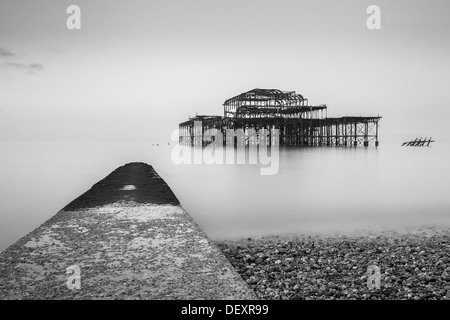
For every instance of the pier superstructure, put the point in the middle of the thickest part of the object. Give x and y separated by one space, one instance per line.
298 122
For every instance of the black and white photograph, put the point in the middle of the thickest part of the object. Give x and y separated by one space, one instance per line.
248 151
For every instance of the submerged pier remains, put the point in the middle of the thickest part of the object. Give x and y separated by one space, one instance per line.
418 142
125 238
298 122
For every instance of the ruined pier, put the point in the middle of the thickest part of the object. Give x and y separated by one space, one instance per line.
298 123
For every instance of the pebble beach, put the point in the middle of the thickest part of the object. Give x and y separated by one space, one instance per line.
411 265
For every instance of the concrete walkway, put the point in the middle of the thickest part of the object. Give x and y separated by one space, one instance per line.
125 238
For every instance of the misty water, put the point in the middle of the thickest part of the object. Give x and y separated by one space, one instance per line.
324 190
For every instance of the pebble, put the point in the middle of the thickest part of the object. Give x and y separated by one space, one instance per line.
412 266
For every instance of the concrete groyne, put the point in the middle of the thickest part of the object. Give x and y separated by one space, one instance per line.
125 238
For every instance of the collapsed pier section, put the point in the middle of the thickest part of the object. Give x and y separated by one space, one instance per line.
297 122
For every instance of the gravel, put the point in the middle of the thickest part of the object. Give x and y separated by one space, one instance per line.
413 266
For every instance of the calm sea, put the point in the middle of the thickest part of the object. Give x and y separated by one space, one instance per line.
325 190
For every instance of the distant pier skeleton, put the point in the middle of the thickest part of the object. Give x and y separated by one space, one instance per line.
299 123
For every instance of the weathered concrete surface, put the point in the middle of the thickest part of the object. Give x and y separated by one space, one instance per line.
131 240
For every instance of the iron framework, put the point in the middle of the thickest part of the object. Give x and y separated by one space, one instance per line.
298 123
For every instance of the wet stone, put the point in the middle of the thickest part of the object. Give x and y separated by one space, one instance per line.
125 238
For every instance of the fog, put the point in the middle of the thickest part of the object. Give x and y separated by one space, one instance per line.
138 68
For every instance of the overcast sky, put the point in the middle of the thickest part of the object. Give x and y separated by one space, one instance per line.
138 68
